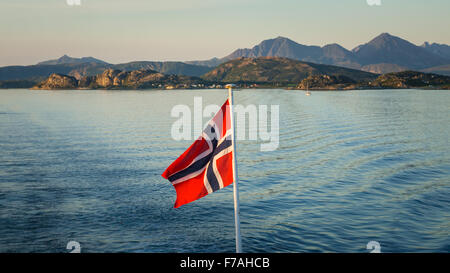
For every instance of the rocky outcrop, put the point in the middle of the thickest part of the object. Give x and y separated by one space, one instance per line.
411 79
326 82
395 80
58 81
137 79
109 78
116 79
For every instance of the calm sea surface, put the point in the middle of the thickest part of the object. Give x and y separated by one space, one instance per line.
351 167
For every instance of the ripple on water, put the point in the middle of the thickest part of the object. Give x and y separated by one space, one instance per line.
351 167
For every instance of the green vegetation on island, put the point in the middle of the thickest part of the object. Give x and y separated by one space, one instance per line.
265 70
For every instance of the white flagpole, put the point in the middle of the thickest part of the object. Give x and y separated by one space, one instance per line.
235 177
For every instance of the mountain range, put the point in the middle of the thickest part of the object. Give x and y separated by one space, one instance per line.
441 50
69 60
383 54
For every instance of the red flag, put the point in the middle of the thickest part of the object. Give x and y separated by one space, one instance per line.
207 165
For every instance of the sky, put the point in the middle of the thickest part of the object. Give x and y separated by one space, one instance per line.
120 31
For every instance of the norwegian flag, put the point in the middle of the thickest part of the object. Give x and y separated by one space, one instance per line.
207 165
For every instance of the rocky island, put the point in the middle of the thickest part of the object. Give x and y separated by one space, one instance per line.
117 79
261 72
326 82
411 79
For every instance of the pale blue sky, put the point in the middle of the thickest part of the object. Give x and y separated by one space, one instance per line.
126 30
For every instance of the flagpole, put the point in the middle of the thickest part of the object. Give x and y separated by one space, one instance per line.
235 177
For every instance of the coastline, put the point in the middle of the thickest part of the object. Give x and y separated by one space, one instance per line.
325 89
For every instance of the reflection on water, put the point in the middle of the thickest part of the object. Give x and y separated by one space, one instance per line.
351 167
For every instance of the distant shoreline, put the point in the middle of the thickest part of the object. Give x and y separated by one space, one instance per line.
264 72
240 89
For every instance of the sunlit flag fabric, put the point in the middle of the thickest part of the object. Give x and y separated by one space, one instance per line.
207 165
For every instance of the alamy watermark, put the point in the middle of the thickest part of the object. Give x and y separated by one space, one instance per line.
73 2
190 124
74 247
374 246
374 2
